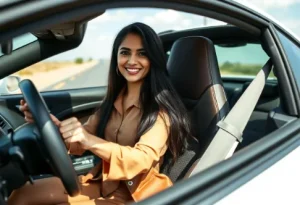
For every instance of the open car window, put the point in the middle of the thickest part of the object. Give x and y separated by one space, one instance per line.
64 71
241 60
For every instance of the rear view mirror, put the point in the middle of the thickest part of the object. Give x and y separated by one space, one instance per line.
7 47
9 85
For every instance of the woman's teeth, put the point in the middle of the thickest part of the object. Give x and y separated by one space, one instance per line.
132 70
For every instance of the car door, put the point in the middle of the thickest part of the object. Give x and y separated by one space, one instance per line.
70 88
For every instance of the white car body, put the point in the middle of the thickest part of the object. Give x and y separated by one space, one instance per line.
277 185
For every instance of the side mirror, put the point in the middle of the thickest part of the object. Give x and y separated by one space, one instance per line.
9 85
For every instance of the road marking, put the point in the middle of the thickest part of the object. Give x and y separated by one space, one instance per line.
59 85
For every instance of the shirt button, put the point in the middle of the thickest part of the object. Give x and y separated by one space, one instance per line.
130 183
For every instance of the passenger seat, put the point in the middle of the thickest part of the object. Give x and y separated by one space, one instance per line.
194 72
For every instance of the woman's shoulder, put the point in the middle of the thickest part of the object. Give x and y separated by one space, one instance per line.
163 117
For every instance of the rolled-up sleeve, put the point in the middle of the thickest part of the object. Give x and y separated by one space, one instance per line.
126 162
91 127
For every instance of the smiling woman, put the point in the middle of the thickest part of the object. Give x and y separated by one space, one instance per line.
151 121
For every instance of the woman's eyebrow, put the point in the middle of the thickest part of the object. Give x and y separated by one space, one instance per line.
128 49
124 48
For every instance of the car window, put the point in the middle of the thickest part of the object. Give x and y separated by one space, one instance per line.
21 41
293 54
241 60
87 65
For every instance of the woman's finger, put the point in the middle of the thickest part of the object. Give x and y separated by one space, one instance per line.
30 120
55 120
24 107
69 121
67 135
28 114
72 139
66 129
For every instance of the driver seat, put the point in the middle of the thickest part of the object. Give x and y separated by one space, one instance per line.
194 72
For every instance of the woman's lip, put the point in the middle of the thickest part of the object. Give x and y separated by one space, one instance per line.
132 71
133 68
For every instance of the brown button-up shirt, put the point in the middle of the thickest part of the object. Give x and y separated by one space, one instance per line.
132 156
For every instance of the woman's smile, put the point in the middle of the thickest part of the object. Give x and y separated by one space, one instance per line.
132 70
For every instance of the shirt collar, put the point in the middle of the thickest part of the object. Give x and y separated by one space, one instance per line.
119 101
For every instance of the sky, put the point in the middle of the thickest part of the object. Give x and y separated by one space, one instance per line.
101 31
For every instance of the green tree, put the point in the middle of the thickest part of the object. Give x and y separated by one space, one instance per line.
79 60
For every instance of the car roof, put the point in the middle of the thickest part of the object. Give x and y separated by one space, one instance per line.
252 8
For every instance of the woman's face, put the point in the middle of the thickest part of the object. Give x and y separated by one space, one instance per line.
133 62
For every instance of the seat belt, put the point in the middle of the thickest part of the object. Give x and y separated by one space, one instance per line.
232 126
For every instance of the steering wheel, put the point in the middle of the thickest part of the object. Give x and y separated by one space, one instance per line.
50 139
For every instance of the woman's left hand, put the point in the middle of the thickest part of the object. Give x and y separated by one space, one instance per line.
72 131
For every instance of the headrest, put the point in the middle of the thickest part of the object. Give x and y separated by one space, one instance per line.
193 66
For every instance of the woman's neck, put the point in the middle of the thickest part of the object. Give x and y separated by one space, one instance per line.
133 89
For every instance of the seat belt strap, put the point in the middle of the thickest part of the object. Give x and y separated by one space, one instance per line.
231 128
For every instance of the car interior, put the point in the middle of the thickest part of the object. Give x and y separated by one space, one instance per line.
193 68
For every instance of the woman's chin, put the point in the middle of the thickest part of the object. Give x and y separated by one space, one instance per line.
133 79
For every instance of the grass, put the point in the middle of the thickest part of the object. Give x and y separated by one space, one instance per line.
241 69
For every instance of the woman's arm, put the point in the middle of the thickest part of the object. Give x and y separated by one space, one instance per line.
125 162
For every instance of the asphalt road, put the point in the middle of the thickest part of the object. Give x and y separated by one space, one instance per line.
95 76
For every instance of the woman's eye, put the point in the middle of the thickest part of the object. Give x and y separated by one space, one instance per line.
142 54
124 53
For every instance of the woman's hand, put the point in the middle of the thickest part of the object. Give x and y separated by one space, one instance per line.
28 116
72 131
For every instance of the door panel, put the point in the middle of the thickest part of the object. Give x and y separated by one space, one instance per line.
80 103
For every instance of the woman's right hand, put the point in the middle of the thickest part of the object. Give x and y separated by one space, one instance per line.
28 116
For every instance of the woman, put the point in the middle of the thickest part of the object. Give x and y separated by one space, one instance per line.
140 119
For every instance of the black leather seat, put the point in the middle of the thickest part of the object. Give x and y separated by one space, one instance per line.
194 72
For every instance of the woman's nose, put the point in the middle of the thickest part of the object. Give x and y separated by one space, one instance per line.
132 60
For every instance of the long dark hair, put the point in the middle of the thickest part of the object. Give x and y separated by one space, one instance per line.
157 94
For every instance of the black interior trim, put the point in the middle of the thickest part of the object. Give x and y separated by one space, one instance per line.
78 108
37 51
288 69
217 34
17 24
287 92
287 97
230 174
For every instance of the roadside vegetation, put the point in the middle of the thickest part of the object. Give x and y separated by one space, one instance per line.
47 66
229 68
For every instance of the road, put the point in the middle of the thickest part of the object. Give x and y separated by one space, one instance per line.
95 76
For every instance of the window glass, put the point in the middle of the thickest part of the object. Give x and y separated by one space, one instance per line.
87 65
293 54
241 60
